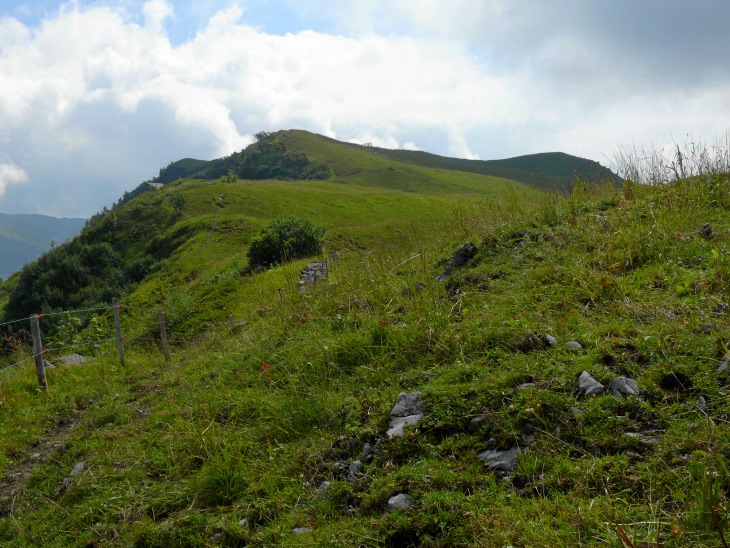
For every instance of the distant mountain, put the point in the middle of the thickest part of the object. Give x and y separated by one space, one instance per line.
24 237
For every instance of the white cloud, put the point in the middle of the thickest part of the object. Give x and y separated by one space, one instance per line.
94 100
11 174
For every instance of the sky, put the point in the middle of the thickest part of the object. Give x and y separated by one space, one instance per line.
97 95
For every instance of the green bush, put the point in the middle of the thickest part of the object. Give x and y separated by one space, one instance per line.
284 239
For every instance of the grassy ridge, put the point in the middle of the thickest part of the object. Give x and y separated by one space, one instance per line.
295 154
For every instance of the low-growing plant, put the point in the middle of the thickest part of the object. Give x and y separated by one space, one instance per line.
284 239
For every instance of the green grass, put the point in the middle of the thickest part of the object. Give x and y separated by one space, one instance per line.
210 450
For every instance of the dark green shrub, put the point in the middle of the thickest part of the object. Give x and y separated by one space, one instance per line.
284 239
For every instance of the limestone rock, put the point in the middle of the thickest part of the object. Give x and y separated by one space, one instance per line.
314 271
588 385
623 386
499 460
71 359
400 502
407 410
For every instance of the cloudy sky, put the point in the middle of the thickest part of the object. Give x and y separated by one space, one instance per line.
97 96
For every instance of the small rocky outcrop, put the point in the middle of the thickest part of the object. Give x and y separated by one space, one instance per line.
314 271
408 409
462 256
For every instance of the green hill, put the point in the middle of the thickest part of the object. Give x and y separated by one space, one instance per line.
297 154
269 425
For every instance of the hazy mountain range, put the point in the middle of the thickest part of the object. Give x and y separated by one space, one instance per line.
24 237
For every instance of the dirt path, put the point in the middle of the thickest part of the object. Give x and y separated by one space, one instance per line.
16 477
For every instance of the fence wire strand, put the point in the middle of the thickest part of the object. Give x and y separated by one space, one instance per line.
21 361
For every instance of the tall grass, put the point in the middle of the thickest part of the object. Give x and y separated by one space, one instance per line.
663 164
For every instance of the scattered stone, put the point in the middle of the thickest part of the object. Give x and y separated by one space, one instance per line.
499 460
588 385
400 502
368 452
723 364
701 403
47 364
35 456
623 386
576 411
243 522
323 487
575 345
705 329
706 231
76 470
643 438
71 359
316 270
462 256
65 484
351 511
356 467
550 340
525 386
300 530
407 410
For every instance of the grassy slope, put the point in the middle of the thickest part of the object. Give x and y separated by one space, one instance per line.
210 450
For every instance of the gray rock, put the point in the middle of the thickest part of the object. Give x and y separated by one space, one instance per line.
71 359
643 438
400 502
623 386
552 341
526 386
723 364
499 460
356 467
323 487
300 530
407 405
576 411
575 345
314 271
705 329
701 403
398 425
368 452
80 467
588 385
65 484
462 256
407 410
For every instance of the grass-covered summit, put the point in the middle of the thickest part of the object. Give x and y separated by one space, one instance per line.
299 155
250 436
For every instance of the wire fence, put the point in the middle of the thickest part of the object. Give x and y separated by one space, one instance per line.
40 351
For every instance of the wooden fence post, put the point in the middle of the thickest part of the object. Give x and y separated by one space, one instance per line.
118 327
35 330
163 334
